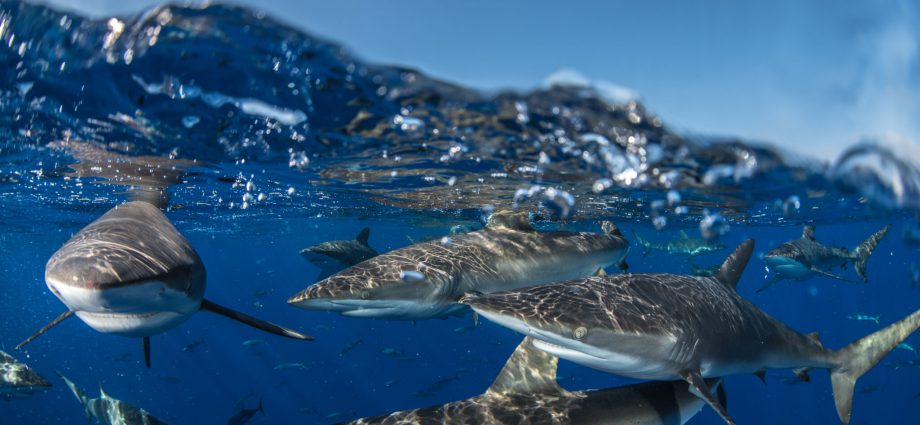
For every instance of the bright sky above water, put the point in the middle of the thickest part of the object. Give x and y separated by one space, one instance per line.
811 77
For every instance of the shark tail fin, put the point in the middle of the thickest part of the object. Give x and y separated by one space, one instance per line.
864 250
857 358
77 392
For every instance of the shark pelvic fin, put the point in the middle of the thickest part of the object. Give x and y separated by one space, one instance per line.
252 321
857 358
808 232
45 328
529 370
363 236
146 353
828 274
734 265
802 374
864 250
700 388
514 220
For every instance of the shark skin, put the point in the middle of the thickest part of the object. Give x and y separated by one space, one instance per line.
110 411
17 380
684 244
668 327
526 391
803 258
334 256
424 281
131 273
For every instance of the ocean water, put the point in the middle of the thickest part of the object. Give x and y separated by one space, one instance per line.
268 140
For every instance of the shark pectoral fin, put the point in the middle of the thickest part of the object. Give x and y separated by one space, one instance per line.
699 388
802 374
528 371
146 353
45 328
762 374
252 321
773 280
828 274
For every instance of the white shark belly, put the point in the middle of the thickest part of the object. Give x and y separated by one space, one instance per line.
141 309
398 309
789 268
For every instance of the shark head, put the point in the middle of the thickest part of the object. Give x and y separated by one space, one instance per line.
389 286
17 379
129 272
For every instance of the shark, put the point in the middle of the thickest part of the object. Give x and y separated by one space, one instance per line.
333 256
805 257
244 415
424 281
110 411
17 380
666 327
526 391
684 244
131 273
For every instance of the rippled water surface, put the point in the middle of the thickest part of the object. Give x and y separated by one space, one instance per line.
259 140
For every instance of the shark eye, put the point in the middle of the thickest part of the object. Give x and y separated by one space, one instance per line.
580 332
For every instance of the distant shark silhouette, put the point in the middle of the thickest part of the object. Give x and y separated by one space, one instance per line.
18 380
526 392
333 256
804 258
131 273
667 326
110 411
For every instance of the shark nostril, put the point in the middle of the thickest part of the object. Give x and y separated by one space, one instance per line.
580 332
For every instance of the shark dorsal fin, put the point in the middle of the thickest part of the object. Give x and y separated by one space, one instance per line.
814 336
683 234
363 235
102 392
611 229
731 269
808 232
515 220
528 371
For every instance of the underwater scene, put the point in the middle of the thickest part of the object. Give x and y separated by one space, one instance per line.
211 217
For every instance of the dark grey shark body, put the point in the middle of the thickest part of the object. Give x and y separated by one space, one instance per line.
334 256
17 380
131 273
526 392
110 411
805 257
684 244
424 280
665 327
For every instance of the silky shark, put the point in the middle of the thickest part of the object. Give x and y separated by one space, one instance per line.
18 380
333 256
684 244
803 258
131 273
425 280
668 327
110 411
526 392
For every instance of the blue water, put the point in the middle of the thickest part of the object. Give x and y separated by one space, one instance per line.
334 145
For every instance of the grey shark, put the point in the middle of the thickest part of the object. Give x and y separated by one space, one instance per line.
425 280
18 380
668 327
333 256
805 257
131 273
526 392
110 411
684 244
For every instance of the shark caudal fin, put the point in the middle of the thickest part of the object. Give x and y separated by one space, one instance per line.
864 250
857 358
77 392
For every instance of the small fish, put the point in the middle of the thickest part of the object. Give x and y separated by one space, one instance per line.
907 363
258 304
253 342
395 354
283 366
906 346
864 318
464 329
169 379
351 346
436 386
192 346
342 414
